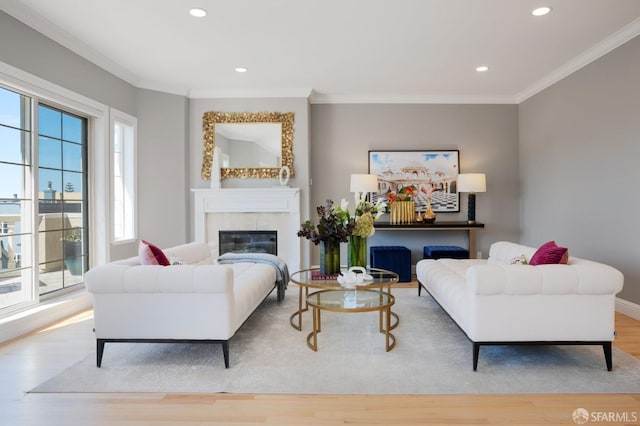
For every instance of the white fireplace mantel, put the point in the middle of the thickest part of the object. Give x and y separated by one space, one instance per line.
211 203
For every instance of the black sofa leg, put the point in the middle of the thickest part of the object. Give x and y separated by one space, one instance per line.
225 352
99 351
476 354
607 355
419 288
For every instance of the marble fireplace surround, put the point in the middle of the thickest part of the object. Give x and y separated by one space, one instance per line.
257 209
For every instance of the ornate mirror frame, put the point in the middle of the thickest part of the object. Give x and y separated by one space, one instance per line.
211 118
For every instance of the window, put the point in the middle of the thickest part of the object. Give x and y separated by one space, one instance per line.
62 198
16 204
123 153
43 225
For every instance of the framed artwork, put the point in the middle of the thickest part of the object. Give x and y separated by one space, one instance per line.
413 174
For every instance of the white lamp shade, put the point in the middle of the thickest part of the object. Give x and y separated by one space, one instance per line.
472 182
364 183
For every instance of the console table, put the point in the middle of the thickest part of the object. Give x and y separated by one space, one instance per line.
470 229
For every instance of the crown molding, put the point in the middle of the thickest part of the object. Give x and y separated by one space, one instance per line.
163 87
598 50
317 98
251 93
45 27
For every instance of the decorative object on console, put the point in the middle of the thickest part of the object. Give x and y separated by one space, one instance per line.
429 215
472 183
402 212
333 228
397 170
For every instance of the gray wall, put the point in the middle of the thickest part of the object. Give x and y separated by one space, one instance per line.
486 135
163 196
579 150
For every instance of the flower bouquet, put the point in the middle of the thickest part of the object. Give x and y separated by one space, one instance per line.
362 222
332 229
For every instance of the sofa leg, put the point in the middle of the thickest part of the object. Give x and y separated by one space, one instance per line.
476 354
607 355
225 352
419 288
99 351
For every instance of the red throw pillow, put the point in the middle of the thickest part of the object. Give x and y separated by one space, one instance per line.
550 253
151 255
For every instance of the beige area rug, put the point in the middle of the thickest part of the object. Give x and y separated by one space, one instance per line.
432 356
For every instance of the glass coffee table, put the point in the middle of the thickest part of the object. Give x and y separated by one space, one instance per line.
308 279
351 301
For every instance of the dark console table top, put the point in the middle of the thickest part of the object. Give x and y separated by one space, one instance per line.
382 225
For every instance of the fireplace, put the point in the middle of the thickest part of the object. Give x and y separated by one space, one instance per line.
250 209
248 242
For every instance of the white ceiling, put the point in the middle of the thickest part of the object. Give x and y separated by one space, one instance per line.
338 50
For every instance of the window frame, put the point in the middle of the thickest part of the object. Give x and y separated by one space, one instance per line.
122 118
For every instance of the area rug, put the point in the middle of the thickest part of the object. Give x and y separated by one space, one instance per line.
432 356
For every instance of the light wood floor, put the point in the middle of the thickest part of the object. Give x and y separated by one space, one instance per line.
28 361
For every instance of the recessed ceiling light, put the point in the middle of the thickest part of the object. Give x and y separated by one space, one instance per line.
197 12
241 69
482 68
541 11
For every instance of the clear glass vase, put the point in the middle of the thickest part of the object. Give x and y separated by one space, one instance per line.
357 251
329 257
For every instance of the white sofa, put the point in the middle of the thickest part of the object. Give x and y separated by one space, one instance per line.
197 301
495 302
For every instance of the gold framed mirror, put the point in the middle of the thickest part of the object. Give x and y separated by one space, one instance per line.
245 129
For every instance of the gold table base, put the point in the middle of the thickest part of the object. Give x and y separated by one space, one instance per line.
300 310
384 323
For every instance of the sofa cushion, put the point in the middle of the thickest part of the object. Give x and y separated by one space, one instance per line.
503 252
191 254
151 255
550 253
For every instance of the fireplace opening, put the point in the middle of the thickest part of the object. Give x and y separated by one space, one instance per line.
248 242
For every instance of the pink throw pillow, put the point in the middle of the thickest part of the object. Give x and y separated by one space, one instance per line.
151 255
550 253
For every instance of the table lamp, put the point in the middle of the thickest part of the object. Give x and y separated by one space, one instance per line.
361 184
472 183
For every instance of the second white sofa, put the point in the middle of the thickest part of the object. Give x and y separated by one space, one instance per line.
496 302
195 301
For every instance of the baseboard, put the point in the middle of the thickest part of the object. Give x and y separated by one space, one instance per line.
44 314
627 308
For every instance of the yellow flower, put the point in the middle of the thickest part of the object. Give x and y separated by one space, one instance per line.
364 225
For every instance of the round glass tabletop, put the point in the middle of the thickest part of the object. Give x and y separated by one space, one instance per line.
312 278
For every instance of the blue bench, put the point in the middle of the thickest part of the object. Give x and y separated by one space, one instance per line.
440 252
392 258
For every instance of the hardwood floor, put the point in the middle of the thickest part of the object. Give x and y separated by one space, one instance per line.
28 361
